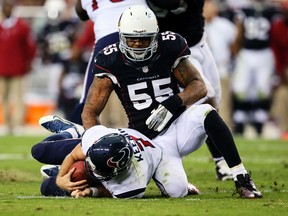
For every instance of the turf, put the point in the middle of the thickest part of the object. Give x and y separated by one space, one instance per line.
20 180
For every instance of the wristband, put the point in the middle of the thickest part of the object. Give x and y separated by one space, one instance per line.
172 103
95 192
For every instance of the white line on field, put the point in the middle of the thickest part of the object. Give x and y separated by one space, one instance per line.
42 197
15 157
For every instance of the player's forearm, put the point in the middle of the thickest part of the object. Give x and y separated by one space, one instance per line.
89 118
65 166
62 180
190 80
96 100
195 91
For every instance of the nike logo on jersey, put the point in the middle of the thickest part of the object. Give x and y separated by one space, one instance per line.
145 69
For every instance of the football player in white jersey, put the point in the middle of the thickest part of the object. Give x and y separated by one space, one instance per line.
124 161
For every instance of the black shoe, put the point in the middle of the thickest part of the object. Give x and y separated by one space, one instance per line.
246 188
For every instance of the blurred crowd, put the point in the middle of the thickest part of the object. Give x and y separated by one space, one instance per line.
249 40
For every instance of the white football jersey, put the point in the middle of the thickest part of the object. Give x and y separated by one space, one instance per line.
160 158
147 156
106 13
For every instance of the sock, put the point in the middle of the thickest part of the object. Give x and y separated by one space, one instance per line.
72 132
237 170
218 159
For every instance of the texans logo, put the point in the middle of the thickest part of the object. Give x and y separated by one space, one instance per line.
121 159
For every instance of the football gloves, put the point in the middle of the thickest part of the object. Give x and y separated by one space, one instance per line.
163 113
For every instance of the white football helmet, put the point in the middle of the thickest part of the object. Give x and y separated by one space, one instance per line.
138 21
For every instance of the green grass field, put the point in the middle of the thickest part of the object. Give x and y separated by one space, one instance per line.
268 160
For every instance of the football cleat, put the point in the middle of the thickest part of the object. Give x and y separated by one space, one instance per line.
49 171
192 189
56 124
246 188
223 172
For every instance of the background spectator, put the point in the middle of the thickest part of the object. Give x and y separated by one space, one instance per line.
17 50
55 42
279 43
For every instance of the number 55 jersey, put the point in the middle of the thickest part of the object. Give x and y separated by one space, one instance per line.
141 86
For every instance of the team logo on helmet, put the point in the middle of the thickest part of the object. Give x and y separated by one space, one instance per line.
121 159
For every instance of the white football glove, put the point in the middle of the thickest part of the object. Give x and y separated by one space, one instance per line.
159 118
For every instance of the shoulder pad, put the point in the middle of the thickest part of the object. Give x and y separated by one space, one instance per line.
173 42
108 56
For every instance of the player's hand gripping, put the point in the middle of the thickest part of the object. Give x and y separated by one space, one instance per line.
160 117
87 192
65 182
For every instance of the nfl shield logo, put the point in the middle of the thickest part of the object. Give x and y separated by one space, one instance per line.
145 69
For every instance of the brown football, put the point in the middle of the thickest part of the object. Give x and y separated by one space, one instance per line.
80 171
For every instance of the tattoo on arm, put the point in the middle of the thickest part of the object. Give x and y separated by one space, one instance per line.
96 100
186 73
189 78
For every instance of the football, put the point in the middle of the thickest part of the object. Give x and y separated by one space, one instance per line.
80 171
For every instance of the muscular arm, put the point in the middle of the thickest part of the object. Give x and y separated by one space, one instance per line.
82 14
63 179
97 98
189 78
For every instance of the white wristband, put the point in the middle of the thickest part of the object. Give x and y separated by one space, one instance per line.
95 192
